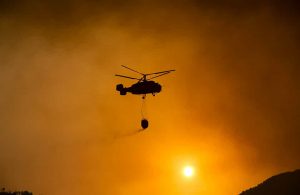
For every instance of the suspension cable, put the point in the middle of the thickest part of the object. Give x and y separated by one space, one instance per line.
143 108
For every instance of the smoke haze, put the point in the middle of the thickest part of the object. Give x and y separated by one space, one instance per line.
231 108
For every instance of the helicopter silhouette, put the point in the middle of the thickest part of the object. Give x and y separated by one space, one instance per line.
144 85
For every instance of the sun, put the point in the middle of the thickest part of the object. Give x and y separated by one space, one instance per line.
188 171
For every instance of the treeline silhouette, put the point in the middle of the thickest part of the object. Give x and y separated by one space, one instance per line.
3 192
16 193
283 184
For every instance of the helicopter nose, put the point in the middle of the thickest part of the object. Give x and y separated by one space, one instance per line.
158 88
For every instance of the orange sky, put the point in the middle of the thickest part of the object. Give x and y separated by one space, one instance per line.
231 109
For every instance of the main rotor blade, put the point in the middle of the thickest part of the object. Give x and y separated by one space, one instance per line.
132 69
166 71
162 74
126 77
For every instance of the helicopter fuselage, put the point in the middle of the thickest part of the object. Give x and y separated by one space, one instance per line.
143 87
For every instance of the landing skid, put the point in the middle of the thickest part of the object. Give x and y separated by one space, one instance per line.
144 95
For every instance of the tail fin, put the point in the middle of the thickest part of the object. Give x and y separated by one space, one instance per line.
121 89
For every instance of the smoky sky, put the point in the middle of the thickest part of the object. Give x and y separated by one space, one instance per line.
232 102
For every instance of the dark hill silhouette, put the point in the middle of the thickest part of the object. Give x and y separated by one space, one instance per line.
283 184
3 192
16 193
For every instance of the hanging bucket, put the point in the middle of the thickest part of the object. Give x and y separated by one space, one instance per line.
144 123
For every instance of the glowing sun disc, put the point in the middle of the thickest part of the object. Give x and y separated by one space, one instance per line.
188 171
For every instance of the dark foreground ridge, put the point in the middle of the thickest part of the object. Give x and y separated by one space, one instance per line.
283 184
3 192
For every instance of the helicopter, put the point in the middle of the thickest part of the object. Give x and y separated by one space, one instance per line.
144 85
